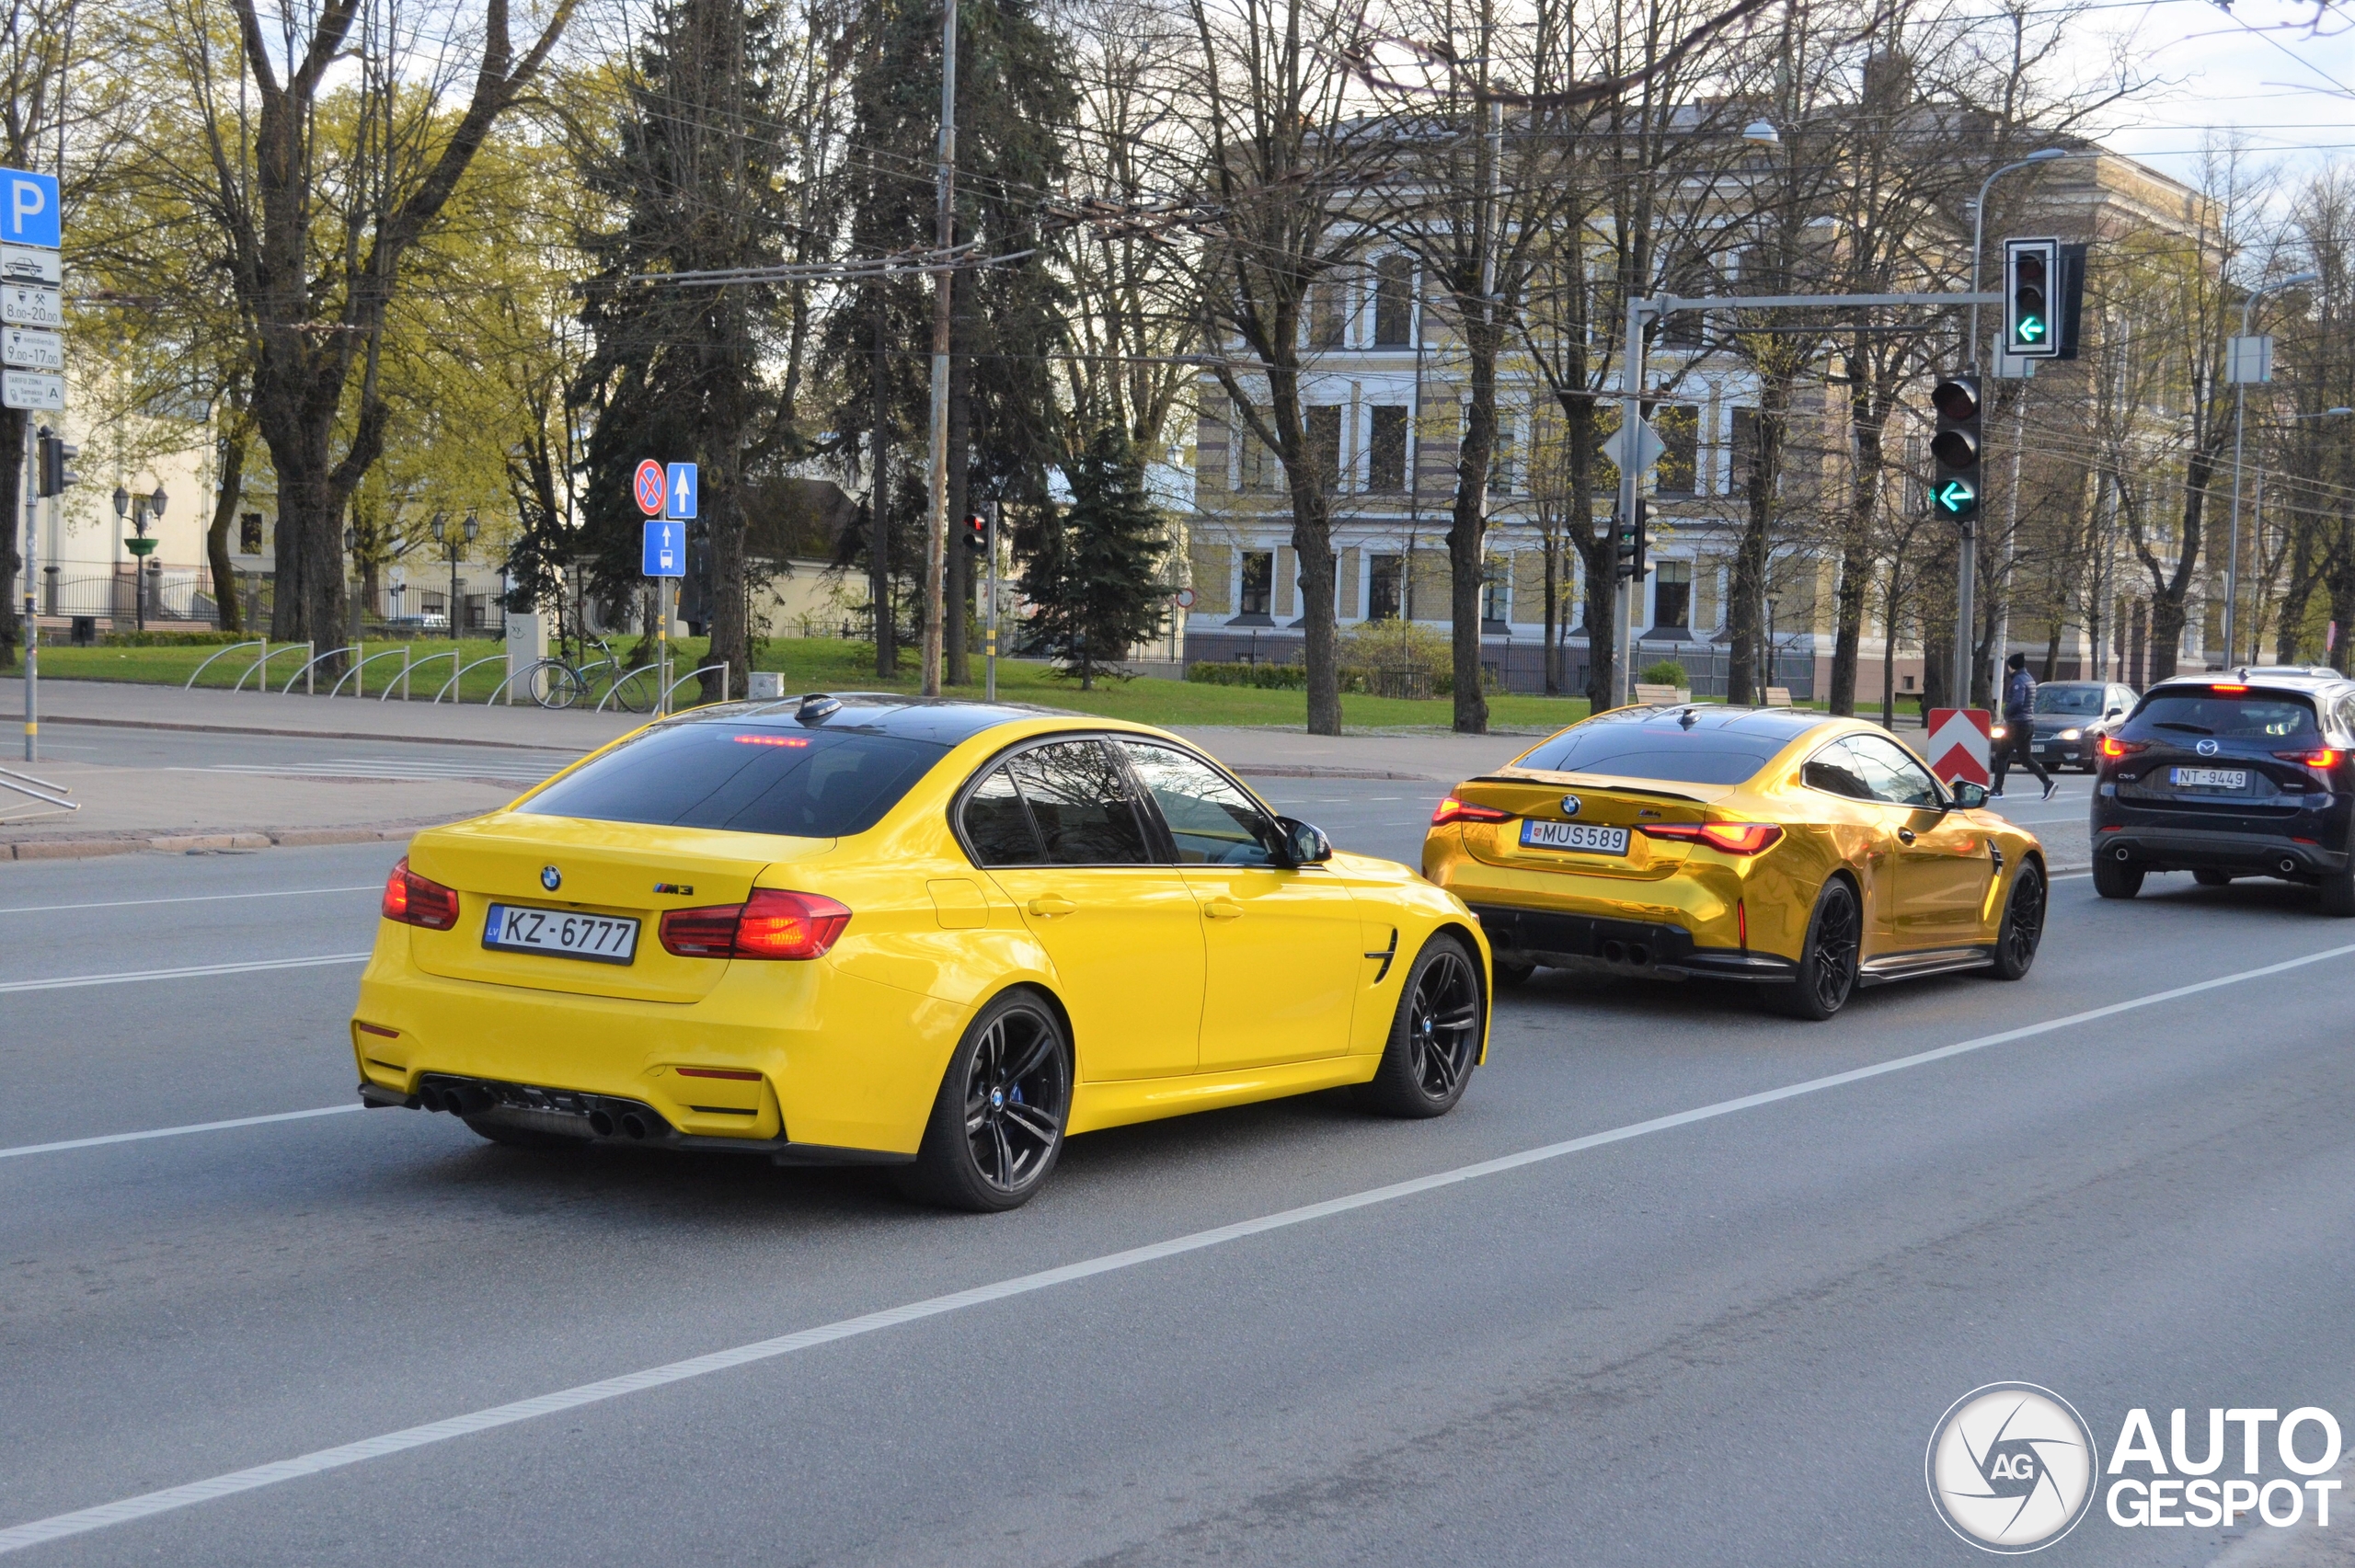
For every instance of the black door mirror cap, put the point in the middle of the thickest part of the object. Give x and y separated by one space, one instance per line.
1967 797
1303 845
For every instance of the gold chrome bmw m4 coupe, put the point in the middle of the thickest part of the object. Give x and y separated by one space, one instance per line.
1808 853
880 930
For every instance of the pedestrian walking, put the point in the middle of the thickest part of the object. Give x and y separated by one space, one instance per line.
2019 726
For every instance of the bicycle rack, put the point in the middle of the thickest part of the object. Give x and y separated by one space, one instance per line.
461 675
262 665
614 689
262 643
694 674
39 789
409 669
359 682
310 686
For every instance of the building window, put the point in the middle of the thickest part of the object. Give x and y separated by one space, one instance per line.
1324 431
1745 447
1259 467
1496 595
1328 314
1671 595
1258 581
1394 301
1385 588
1387 453
1503 463
249 533
1694 278
1679 428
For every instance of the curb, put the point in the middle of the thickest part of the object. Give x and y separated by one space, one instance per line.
212 843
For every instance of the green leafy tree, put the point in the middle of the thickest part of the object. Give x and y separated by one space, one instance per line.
1092 570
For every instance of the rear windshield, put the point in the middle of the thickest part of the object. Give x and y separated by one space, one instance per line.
2251 715
2068 700
814 783
1662 749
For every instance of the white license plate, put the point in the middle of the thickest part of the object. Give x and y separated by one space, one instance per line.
2207 778
1585 835
562 933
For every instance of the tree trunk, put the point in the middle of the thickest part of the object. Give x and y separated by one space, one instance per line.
1744 623
1467 530
227 611
879 510
2289 638
723 520
1856 553
2168 593
1553 550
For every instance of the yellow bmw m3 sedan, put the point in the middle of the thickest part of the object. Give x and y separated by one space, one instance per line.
937 935
1806 853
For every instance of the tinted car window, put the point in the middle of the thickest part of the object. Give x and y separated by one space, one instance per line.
746 779
2239 715
1213 822
1892 775
1654 749
998 825
1836 771
1079 799
2060 698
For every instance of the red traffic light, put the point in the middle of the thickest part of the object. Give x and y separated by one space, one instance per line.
977 534
1955 398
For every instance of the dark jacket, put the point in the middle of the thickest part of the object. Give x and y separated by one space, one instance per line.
2019 695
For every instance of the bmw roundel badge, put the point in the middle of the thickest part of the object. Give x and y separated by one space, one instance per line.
551 878
1570 805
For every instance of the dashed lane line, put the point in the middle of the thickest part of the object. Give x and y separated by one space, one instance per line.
22 1150
191 899
193 971
81 1521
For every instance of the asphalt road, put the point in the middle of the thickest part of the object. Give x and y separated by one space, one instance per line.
1722 1337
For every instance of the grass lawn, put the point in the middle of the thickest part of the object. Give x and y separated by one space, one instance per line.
816 665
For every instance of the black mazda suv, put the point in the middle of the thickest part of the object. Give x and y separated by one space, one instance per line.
2247 775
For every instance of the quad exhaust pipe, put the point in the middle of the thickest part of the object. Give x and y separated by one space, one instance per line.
610 1118
1633 952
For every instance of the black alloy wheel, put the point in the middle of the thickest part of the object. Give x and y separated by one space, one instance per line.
2023 927
1435 1034
1827 965
998 1124
2116 878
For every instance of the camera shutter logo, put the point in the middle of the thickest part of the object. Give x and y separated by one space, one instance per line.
2011 1468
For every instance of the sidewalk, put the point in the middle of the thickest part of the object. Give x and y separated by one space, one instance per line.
69 702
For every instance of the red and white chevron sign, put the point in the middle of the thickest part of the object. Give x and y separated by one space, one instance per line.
1959 748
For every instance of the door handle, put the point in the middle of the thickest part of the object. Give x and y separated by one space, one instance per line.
1222 910
1905 836
1052 904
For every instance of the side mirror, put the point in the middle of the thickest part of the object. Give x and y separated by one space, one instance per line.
1969 796
2115 713
1304 844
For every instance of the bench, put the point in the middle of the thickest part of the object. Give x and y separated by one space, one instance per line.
1650 696
1778 696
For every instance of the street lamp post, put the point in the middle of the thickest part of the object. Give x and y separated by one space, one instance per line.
2240 419
1966 580
141 510
453 546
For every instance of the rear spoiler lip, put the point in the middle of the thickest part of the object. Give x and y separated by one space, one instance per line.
1613 787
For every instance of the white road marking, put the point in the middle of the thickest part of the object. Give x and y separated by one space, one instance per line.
57 1527
129 977
24 1149
193 898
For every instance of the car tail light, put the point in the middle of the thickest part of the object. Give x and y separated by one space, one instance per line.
2223 686
418 901
1734 838
2113 747
2322 757
1454 810
771 924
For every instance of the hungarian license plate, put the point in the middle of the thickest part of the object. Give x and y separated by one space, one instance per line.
1585 835
2207 778
561 933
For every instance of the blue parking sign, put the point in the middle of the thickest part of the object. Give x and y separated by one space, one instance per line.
679 494
665 551
28 212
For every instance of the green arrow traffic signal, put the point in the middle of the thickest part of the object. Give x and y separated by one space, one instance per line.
1956 496
2030 329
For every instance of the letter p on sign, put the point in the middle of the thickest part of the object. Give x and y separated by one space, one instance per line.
31 217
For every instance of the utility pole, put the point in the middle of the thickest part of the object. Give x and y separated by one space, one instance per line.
935 538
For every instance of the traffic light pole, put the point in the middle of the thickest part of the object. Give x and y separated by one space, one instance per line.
989 635
1631 381
32 577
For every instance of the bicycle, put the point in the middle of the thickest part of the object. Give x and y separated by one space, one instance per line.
557 682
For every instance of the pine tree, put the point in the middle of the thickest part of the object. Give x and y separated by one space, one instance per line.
1092 570
676 372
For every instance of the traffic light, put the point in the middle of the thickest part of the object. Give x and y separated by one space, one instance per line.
2032 291
56 453
1635 543
1954 481
977 534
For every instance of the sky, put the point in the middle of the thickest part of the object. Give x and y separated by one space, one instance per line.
2262 69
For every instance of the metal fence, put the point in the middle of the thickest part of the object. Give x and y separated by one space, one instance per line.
183 596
